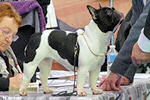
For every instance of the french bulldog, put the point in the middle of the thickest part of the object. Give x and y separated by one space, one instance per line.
82 49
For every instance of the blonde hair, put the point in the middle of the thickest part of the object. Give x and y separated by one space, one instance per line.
6 9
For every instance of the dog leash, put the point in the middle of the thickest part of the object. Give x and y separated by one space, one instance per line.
74 92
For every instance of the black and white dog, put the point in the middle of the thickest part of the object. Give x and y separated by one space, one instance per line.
60 46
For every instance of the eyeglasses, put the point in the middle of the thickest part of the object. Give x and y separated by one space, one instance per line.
7 33
15 38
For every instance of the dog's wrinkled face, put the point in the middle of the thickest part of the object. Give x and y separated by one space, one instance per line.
106 18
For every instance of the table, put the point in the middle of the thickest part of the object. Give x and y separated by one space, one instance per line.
139 90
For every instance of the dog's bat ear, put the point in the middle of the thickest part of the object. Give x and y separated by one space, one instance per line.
92 11
100 6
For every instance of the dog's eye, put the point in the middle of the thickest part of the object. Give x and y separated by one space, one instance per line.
113 8
109 13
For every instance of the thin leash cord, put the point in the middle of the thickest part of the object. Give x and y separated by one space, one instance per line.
75 55
111 6
74 92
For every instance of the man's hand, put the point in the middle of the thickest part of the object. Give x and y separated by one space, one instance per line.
112 82
124 81
15 82
138 56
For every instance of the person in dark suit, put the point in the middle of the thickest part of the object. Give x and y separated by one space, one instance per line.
141 49
123 69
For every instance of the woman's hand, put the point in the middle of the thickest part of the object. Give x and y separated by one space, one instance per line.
15 82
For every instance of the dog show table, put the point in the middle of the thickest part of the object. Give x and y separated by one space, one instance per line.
139 90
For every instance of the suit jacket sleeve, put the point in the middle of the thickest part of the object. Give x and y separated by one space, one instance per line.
123 64
144 38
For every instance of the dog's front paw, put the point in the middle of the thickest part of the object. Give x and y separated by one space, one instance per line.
82 93
96 91
48 91
23 92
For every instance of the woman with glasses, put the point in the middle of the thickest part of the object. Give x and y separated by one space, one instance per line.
10 73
